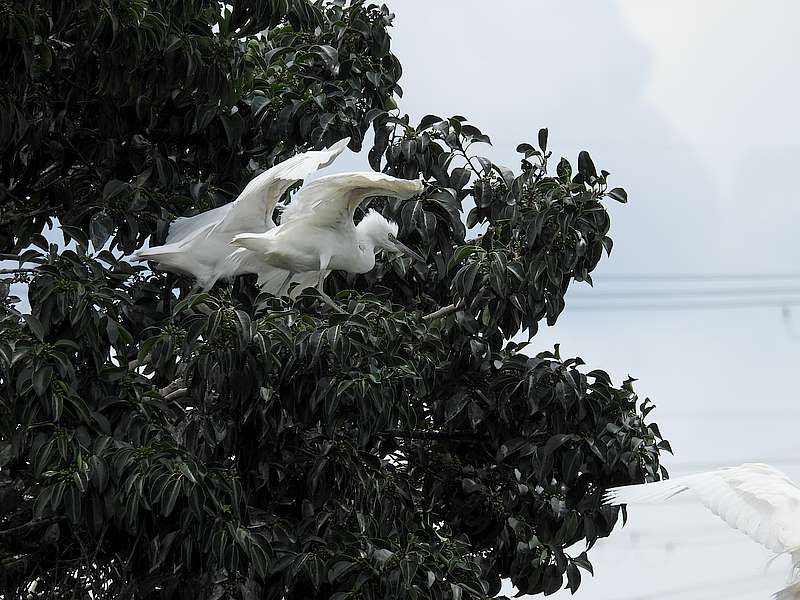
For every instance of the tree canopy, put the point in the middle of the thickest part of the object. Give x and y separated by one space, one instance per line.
160 443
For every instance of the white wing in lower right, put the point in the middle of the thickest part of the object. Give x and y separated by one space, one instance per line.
754 498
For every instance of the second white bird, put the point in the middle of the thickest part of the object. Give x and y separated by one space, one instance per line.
756 499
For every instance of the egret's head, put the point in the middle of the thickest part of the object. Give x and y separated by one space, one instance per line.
381 234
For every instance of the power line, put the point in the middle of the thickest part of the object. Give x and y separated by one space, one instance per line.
656 306
680 539
716 413
693 590
695 276
655 293
705 465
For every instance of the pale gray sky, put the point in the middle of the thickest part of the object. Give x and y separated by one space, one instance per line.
693 108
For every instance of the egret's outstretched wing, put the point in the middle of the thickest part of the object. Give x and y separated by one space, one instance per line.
756 499
334 198
252 209
183 229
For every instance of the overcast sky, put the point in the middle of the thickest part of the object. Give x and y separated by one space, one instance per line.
692 106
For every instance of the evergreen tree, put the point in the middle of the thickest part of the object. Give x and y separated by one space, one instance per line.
158 443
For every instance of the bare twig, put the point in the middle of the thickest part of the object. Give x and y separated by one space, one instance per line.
136 363
432 435
87 164
31 213
172 387
12 271
28 525
99 544
133 549
11 563
471 166
37 260
83 563
442 312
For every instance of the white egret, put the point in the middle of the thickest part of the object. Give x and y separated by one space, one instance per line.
200 245
317 233
756 499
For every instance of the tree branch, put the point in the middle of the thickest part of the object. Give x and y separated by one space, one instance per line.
12 271
31 213
13 562
28 525
432 435
169 389
442 312
5 256
136 363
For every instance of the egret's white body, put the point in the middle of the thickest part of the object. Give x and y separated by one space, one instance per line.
756 499
200 245
317 233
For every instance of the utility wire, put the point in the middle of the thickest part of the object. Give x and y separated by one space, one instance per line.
775 461
661 306
695 276
655 293
693 590
680 539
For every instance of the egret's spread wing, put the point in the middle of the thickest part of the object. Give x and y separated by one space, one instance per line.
334 198
183 229
253 208
756 499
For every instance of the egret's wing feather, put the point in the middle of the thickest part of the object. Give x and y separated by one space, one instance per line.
175 259
792 592
184 228
335 198
259 243
303 281
756 499
254 206
272 279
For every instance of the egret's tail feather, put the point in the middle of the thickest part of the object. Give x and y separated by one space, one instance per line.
657 491
169 255
270 280
303 281
273 281
175 260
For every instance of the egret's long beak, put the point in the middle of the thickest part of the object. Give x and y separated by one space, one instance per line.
401 247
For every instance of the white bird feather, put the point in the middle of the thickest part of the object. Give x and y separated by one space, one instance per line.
317 233
757 499
200 245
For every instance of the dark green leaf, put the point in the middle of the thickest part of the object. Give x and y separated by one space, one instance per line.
100 229
619 195
542 140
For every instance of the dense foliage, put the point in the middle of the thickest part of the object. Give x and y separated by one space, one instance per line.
157 443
